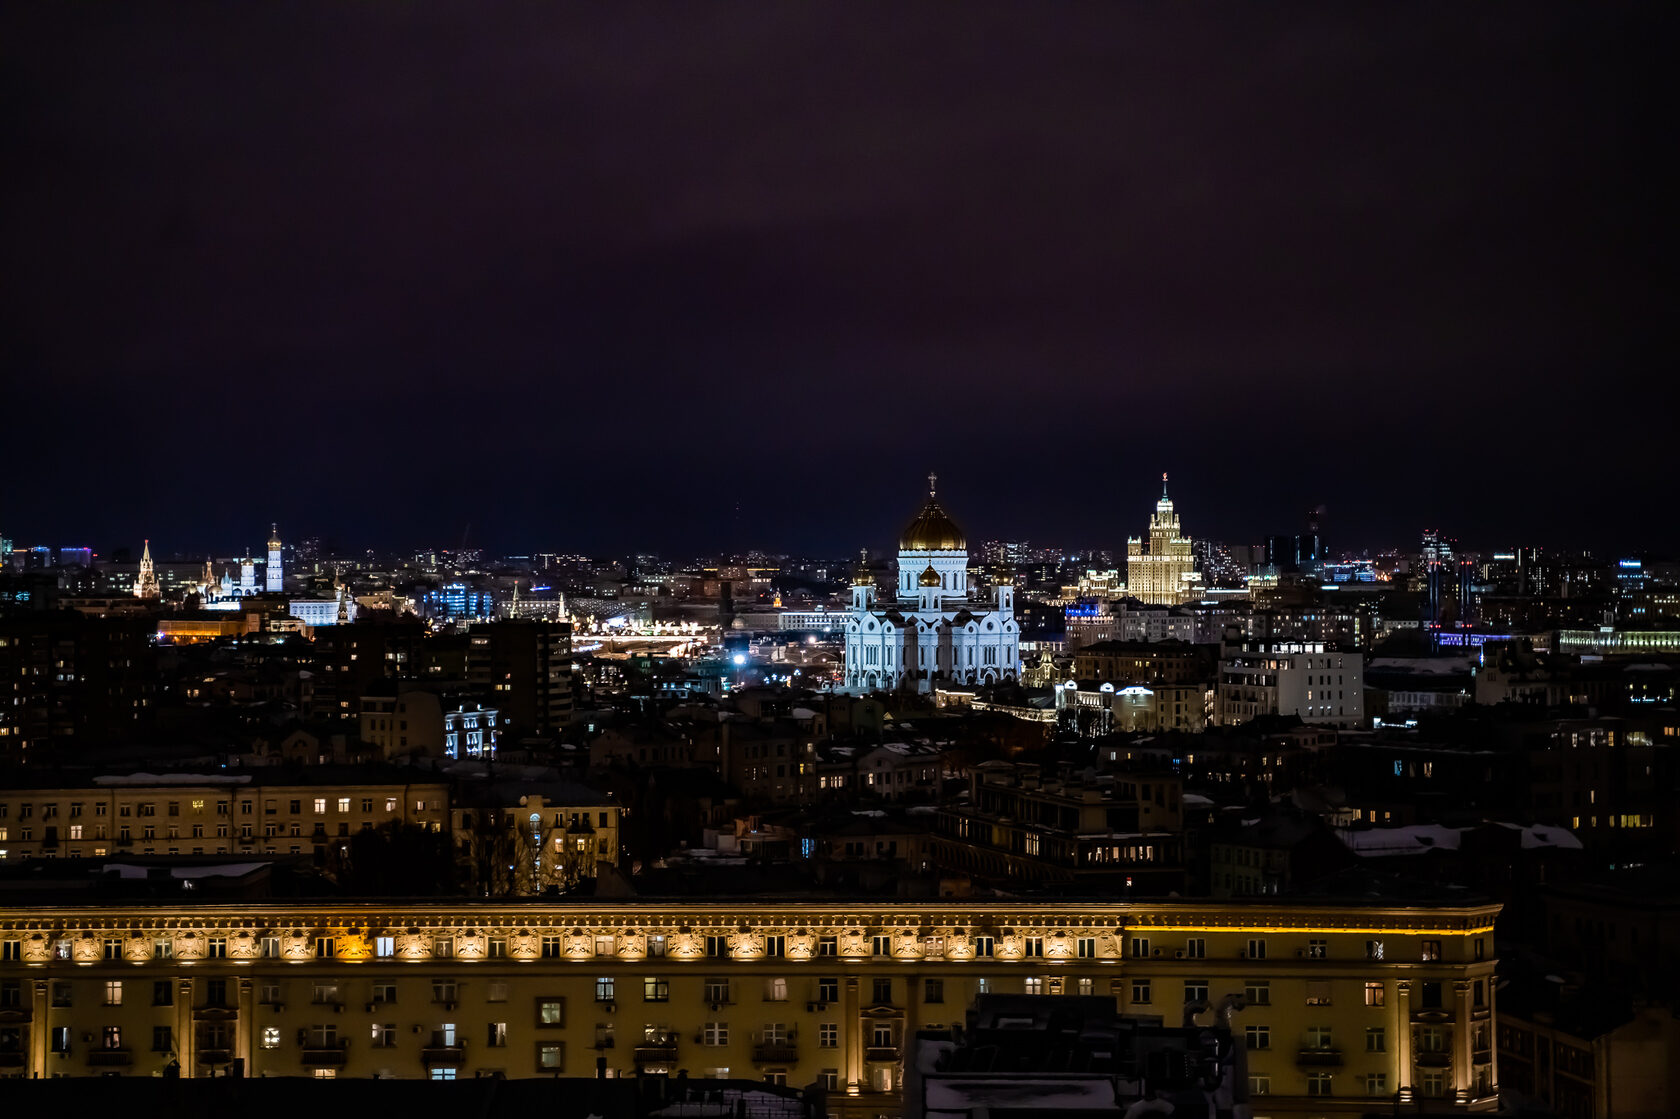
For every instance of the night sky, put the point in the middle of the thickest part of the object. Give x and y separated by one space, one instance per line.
589 281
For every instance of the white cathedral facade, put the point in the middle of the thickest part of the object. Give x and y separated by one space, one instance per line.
929 631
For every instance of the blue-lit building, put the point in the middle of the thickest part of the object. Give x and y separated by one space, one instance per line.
458 600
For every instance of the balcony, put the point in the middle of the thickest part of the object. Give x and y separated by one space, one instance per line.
1481 1056
333 1054
217 1056
881 1053
436 1055
110 1058
657 1052
1319 1058
13 1058
776 1053
1433 1059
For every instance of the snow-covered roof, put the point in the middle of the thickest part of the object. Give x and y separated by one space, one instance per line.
130 870
173 779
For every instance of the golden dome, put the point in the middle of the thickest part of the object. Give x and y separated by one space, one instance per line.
929 578
932 530
861 575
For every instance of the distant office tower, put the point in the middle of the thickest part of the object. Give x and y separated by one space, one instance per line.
146 584
1166 573
525 669
274 574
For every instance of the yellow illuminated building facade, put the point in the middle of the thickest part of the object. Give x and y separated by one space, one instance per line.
1165 574
1344 1006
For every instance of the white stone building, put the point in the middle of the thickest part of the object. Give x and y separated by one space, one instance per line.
929 631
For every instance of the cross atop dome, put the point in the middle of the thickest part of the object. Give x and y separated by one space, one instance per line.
933 481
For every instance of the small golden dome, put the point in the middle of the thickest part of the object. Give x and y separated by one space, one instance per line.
930 578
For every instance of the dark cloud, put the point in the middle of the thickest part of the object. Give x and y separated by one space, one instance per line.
592 280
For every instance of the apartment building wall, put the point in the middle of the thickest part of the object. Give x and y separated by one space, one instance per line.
1359 1000
225 817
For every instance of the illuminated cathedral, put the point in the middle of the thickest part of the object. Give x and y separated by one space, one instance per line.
929 631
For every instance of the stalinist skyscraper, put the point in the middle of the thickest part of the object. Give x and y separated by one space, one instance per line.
273 574
1166 573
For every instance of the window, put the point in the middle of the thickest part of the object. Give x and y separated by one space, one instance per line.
444 991
1140 947
882 992
384 1035
60 1039
320 806
1256 948
881 945
656 990
110 1037
1375 994
1318 1084
1033 985
60 993
714 1033
717 946
831 1079
550 947
496 992
163 993
1086 947
1259 1085
716 992
1318 1037
1432 1039
1257 993
933 990
443 946
604 989
1373 949
269 993
983 947
1258 1037
656 946
551 1012
1432 1084
384 947
775 945
271 1037
828 946
1035 946
323 993
1318 949
1087 987
606 946
11 951
1195 990
1376 1041
1429 996
1431 950
113 992
881 1036
775 990
1318 992
385 993
326 1074
113 948
1195 948
1376 1084
1140 990
496 1036
1477 945
551 1056
216 948
828 990
498 947
325 947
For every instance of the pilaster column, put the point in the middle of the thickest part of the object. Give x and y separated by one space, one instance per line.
854 1037
244 1026
1461 1040
1403 1036
185 1039
40 1027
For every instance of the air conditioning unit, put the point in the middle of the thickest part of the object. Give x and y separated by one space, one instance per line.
1156 952
338 1008
717 1006
369 1007
1179 954
609 1007
449 1006
810 1006
414 1029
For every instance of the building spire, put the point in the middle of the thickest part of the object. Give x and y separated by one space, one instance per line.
933 483
1163 485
